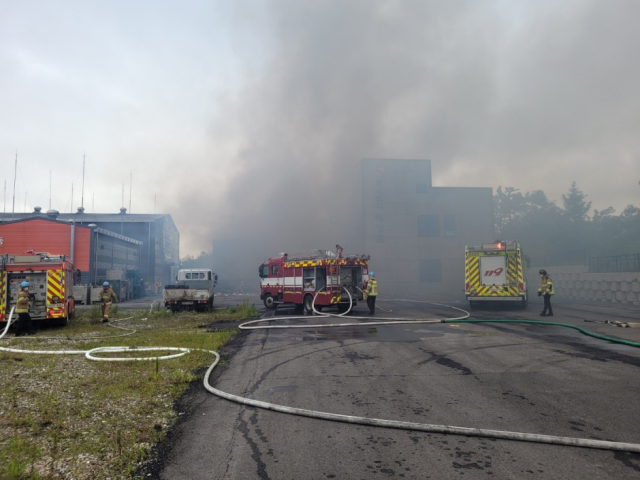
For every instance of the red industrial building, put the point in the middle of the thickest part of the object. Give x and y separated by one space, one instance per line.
51 236
97 254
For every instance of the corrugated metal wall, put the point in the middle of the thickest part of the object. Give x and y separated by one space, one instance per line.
46 236
116 254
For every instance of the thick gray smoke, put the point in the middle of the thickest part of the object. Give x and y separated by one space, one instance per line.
534 95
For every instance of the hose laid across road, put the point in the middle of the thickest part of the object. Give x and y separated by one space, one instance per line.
375 422
552 324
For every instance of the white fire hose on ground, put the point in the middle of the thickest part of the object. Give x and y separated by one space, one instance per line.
374 422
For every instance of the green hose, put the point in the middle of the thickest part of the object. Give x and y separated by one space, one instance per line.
538 322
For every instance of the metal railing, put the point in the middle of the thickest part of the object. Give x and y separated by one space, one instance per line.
614 263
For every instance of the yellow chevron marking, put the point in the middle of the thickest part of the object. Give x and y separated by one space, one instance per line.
54 286
3 294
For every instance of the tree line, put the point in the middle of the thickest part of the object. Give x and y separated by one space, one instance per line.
567 234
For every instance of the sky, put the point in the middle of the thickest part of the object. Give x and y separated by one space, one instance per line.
249 118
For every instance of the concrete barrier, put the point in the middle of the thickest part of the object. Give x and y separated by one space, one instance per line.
576 283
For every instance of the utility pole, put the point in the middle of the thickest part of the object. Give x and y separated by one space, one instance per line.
15 174
82 197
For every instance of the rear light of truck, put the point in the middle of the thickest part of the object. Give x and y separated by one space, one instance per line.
202 301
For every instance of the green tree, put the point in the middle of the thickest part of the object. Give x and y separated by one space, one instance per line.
576 208
204 260
551 235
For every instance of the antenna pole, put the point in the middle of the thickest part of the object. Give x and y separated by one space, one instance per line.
15 174
49 189
130 188
82 198
71 198
122 195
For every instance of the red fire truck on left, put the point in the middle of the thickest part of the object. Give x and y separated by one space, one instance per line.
51 286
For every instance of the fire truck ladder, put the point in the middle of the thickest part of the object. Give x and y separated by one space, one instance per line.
311 255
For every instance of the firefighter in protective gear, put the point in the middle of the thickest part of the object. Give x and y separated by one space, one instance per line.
107 296
371 293
546 290
24 325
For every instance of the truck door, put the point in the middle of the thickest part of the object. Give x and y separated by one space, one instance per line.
493 270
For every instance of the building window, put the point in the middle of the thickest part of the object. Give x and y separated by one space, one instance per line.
430 271
428 226
421 188
449 226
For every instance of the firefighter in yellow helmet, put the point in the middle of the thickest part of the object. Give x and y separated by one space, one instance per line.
107 296
24 325
371 293
546 290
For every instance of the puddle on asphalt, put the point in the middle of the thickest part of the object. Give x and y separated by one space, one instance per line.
379 334
338 333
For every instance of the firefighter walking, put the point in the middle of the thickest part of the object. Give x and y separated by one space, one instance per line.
546 291
24 325
107 296
371 293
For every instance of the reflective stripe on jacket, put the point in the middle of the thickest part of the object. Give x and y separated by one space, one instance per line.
22 305
546 287
372 288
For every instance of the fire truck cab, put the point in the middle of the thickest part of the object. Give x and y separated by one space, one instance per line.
51 286
296 279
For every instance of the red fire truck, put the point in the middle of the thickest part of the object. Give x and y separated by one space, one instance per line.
295 279
51 286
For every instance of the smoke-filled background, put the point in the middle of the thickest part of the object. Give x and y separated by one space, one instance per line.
248 119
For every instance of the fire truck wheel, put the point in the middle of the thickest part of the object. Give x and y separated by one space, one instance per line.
343 307
269 302
308 304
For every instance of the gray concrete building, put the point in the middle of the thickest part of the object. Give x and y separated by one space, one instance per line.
416 233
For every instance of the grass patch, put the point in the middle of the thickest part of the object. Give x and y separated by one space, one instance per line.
63 416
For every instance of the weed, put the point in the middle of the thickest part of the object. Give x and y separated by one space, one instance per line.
70 417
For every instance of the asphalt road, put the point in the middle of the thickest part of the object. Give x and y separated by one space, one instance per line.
513 377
